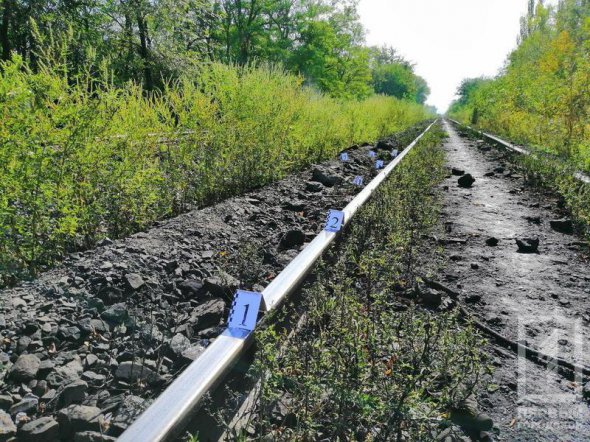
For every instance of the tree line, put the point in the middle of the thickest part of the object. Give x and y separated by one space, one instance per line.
542 96
153 41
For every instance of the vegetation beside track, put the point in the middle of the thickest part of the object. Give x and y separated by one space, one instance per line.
372 358
541 98
83 158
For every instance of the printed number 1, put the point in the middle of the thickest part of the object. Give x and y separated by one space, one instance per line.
247 306
244 311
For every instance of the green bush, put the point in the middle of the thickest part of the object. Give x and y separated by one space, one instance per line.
82 159
541 97
363 362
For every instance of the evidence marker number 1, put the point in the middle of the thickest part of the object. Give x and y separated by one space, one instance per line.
343 156
243 314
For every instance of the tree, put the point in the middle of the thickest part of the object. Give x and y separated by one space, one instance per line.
393 75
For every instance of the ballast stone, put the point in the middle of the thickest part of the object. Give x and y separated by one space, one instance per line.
42 429
25 368
562 225
26 405
466 181
7 427
74 392
325 176
134 281
131 371
293 238
92 436
77 418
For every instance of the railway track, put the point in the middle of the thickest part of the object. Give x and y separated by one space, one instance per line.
171 411
514 148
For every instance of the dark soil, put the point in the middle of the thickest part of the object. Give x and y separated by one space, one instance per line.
539 297
86 345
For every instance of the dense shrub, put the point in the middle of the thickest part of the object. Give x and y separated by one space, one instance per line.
542 97
81 158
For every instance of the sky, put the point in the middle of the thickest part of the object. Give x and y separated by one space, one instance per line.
448 40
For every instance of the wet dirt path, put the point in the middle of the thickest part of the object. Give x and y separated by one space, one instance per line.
542 298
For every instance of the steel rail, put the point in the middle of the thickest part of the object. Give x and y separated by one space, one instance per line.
578 175
169 413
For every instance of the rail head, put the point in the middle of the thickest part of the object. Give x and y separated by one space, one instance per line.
580 176
168 414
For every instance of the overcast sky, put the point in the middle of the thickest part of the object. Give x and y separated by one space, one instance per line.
448 40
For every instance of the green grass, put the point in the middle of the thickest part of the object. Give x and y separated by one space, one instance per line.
366 363
82 159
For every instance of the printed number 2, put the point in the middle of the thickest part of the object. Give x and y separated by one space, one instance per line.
334 221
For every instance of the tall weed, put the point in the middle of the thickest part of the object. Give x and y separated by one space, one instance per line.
82 159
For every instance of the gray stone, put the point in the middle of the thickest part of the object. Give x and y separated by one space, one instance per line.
116 313
26 405
312 186
106 266
192 353
93 325
293 238
178 344
468 417
562 225
93 378
325 177
90 360
130 409
221 285
5 401
73 393
77 418
527 245
466 181
429 297
134 281
23 344
70 333
49 396
45 368
7 427
191 287
209 313
105 242
44 428
131 371
65 374
92 436
25 368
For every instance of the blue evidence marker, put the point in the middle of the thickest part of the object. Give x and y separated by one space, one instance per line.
244 310
334 221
